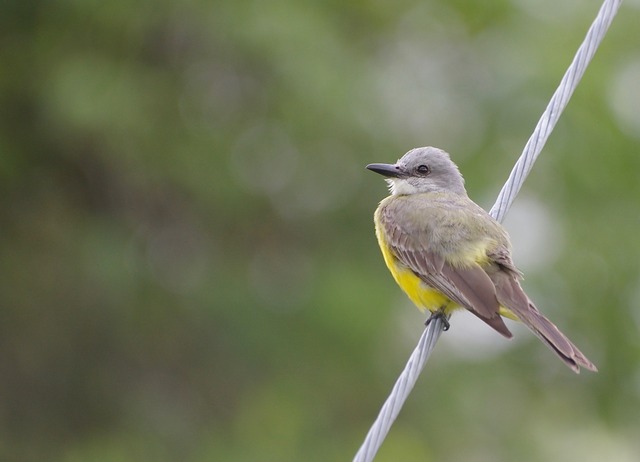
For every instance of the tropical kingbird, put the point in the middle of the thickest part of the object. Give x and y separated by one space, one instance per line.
448 253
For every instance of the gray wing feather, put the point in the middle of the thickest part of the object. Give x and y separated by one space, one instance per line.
468 287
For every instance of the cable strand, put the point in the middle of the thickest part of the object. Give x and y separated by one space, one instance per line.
427 342
554 109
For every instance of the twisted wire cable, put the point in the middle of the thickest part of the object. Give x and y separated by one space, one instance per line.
428 339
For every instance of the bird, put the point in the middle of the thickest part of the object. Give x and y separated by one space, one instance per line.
447 253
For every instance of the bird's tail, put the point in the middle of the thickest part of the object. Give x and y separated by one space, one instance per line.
554 339
511 296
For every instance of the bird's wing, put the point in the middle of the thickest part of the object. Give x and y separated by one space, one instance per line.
468 286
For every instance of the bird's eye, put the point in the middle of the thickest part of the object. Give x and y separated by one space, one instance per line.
423 169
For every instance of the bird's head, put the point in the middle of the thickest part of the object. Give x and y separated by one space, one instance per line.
422 170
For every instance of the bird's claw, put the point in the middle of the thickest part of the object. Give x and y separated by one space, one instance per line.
443 317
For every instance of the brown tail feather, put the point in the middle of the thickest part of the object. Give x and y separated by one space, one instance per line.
511 295
546 331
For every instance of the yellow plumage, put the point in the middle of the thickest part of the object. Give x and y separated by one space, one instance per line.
421 296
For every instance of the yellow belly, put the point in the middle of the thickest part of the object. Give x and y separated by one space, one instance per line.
422 296
418 292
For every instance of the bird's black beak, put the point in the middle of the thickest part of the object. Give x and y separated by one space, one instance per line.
388 170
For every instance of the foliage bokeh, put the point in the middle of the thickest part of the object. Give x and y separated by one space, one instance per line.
188 265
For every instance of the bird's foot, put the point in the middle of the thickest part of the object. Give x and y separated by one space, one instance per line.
443 317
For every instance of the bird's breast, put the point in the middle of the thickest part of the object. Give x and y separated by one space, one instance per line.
423 296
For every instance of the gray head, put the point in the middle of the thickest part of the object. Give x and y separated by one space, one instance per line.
422 170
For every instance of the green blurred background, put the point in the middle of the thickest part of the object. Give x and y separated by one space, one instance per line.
189 270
